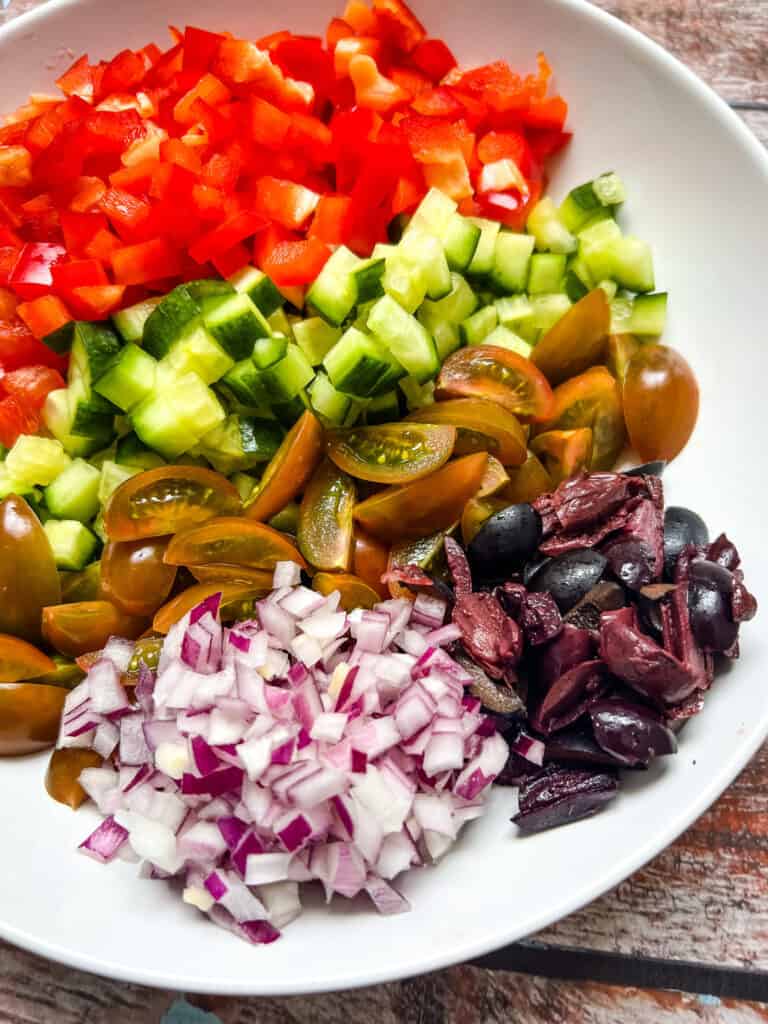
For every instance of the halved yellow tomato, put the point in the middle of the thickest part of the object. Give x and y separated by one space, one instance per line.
324 535
355 593
217 572
661 402
425 552
494 479
237 602
29 717
527 482
620 350
292 465
168 499
481 426
20 660
593 399
577 340
369 561
476 512
134 575
391 453
28 577
564 452
421 508
504 377
83 626
233 540
63 775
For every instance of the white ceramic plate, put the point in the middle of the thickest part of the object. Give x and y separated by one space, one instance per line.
698 184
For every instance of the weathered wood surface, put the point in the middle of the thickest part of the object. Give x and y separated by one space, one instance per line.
705 899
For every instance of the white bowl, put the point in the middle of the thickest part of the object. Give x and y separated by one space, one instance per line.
698 185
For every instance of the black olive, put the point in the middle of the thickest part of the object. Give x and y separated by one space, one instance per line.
576 747
631 733
709 603
681 528
559 795
505 542
647 469
569 577
533 565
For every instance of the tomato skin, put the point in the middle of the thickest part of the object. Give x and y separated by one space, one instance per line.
391 453
218 572
237 601
81 586
476 512
593 399
480 426
234 541
485 371
292 465
75 629
29 717
577 340
20 660
355 593
619 354
25 554
661 402
168 499
419 509
134 576
369 561
63 773
527 482
325 519
494 479
564 452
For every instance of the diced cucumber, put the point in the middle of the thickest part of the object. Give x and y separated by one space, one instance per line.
99 529
601 216
457 305
383 409
578 206
60 340
268 351
196 351
245 383
208 288
548 309
112 475
131 452
408 340
447 339
334 292
287 519
595 248
94 346
601 231
58 419
460 238
417 395
8 485
129 323
404 282
235 322
240 442
621 314
357 362
575 288
610 189
546 273
513 309
129 377
315 338
632 264
259 289
649 315
73 544
288 412
610 288
481 263
331 406
74 494
549 231
433 213
383 250
511 260
92 416
477 327
177 414
177 316
36 460
280 323
424 252
284 379
367 276
503 337
244 484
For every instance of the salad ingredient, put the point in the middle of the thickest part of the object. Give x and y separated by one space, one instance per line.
324 534
577 341
134 576
681 528
591 400
20 660
661 402
238 601
25 554
631 733
564 452
290 468
485 371
505 542
354 761
29 717
480 426
527 482
559 795
82 626
354 592
393 453
63 775
220 572
369 561
710 595
234 540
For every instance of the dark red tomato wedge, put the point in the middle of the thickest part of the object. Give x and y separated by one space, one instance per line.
237 602
369 561
577 340
29 717
593 399
20 660
355 593
28 577
476 512
496 374
619 353
292 465
481 426
216 572
233 540
564 452
81 586
63 774
75 629
392 453
325 519
134 576
165 500
527 482
661 402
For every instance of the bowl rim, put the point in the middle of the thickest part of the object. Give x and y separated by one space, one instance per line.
581 895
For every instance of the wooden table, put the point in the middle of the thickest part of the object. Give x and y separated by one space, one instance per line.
684 940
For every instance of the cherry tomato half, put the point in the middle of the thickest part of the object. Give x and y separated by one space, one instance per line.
619 353
369 561
527 482
391 453
661 402
237 602
168 499
476 512
84 626
486 371
421 508
355 593
28 577
593 399
577 340
564 452
292 465
29 717
425 552
325 518
234 541
494 479
81 586
480 426
20 660
134 576
63 774
217 572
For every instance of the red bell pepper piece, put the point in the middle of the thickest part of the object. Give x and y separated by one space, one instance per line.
102 245
352 132
292 263
434 58
126 212
511 208
8 305
44 315
200 49
370 205
19 347
124 73
32 275
547 113
269 125
89 191
243 225
328 222
505 145
97 302
337 29
9 237
410 80
16 418
78 80
175 151
209 89
311 138
547 142
9 254
148 261
111 131
285 202
77 274
32 384
305 59
440 102
358 14
221 171
234 259
270 41
79 229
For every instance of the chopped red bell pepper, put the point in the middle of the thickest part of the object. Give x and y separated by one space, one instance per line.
102 245
303 58
96 302
328 222
9 305
434 58
19 347
200 49
222 238
124 73
9 254
77 80
397 22
285 202
547 142
505 144
79 229
32 384
234 259
440 102
148 261
547 113
126 212
291 263
89 192
268 124
44 315
16 418
32 274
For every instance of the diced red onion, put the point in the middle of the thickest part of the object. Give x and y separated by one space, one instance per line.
529 748
104 843
286 574
301 602
429 611
386 899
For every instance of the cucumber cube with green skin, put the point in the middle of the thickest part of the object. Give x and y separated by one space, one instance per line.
503 337
113 474
456 306
367 277
74 494
129 377
548 309
288 412
383 409
356 363
168 322
330 405
284 379
280 323
407 340
268 351
94 346
549 231
129 323
447 339
58 419
546 273
334 292
632 264
315 338
511 261
177 414
245 383
476 328
433 213
649 315
235 323
460 238
36 460
9 485
574 286
259 288
513 309
72 543
240 442
481 263
197 352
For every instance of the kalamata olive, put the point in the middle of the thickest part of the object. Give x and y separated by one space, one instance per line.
605 597
570 576
533 565
681 528
633 734
709 605
647 469
558 796
505 542
577 747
